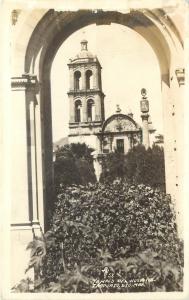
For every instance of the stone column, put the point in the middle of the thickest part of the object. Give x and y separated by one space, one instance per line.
71 109
95 78
175 143
111 142
20 206
144 106
84 109
30 94
71 79
180 114
24 182
145 130
83 78
98 112
129 136
29 85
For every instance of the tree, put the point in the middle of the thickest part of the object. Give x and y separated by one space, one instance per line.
137 166
74 165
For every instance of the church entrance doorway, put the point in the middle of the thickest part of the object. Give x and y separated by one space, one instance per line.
120 145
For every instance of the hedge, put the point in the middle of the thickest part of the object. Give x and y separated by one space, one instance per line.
128 230
137 166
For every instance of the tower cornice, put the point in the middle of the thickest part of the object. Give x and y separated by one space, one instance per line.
91 62
86 92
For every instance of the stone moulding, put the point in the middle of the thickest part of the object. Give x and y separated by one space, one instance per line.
24 81
180 74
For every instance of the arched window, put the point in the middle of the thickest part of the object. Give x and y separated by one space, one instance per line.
90 110
78 111
89 78
77 80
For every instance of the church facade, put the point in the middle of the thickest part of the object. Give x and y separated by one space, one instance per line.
87 123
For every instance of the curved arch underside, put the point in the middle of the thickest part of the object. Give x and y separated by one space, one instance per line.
55 27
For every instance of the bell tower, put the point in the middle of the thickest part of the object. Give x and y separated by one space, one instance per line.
86 99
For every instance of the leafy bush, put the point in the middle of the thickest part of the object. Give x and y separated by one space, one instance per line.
137 166
127 230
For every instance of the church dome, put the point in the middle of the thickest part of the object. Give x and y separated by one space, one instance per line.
84 54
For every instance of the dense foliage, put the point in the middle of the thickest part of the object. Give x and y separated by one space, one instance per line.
137 166
128 230
119 235
74 165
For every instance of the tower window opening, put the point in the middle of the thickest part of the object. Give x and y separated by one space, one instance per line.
78 111
77 80
90 110
89 78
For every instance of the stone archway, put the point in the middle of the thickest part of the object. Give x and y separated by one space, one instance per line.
46 38
62 25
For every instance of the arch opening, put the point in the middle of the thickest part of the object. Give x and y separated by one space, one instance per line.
77 80
55 38
78 108
89 79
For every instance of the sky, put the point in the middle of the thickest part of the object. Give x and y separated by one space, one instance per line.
128 65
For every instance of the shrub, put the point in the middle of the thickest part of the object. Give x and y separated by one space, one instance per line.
128 230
